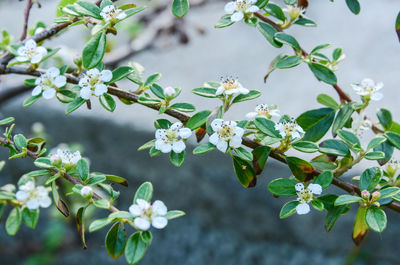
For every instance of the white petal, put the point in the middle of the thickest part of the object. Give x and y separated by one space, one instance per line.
299 187
217 124
176 126
37 58
36 91
142 223
143 204
230 7
220 90
315 189
22 58
222 146
159 207
160 133
106 75
60 81
178 146
237 16
21 195
30 44
164 147
302 208
49 93
100 89
86 93
185 133
377 96
295 135
239 131
45 202
367 82
251 115
232 91
53 71
21 50
135 210
379 86
235 142
32 204
159 222
121 15
252 9
214 138
243 90
93 72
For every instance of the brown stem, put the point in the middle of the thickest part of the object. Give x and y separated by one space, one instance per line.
25 27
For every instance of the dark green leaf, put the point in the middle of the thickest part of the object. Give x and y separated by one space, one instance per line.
376 219
244 172
288 209
334 147
323 73
115 241
268 32
300 168
145 192
316 123
249 96
283 187
324 179
354 6
94 50
370 178
198 119
180 7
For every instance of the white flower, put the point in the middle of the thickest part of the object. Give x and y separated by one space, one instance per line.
226 132
231 86
86 191
69 158
172 138
289 130
169 91
30 52
48 83
110 12
368 89
92 83
263 110
240 8
147 214
33 197
305 196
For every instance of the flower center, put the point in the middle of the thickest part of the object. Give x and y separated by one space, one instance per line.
226 132
242 6
229 84
305 196
170 136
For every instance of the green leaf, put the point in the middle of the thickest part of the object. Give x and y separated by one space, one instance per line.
120 73
115 241
268 32
80 222
260 155
316 123
184 107
146 236
342 117
30 217
288 62
88 9
43 162
394 139
287 39
324 179
245 173
243 153
198 119
105 3
158 91
83 169
204 148
61 5
370 178
99 223
94 50
354 6
283 187
144 192
117 179
388 149
305 146
135 248
147 145
20 141
32 99
180 7
323 73
375 142
102 203
174 214
249 96
288 209
224 21
389 192
267 127
300 168
162 124
385 118
375 155
7 121
333 213
347 199
376 219
149 101
276 11
152 79
350 139
305 22
318 205
13 221
320 47
38 173
177 159
334 147
107 102
206 92
75 105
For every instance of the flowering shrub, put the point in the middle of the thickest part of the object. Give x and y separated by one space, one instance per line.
331 134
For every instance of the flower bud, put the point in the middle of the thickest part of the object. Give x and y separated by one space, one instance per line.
376 195
294 12
86 191
365 194
54 159
169 92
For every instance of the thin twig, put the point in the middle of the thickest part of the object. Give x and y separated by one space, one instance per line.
26 19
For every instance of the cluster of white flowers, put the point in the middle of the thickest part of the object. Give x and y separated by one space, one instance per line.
231 86
48 83
66 157
172 138
239 8
31 52
263 110
147 214
226 133
368 89
92 83
110 12
305 196
33 197
290 130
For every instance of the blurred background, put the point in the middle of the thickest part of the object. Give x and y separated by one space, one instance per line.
225 223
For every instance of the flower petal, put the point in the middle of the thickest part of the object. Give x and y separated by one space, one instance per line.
141 223
21 195
106 75
49 93
214 138
45 202
86 93
135 210
299 187
100 89
315 189
32 204
302 208
217 124
230 7
60 81
159 222
159 207
53 71
36 91
222 146
237 16
185 133
178 146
